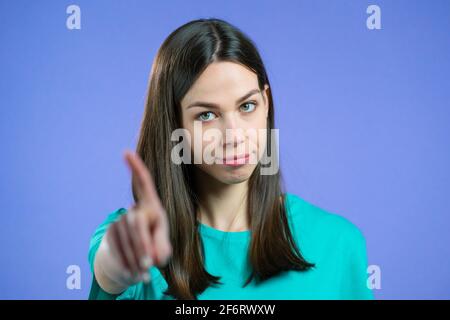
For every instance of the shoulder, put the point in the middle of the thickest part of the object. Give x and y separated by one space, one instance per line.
311 220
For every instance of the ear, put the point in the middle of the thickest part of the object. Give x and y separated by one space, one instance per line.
266 98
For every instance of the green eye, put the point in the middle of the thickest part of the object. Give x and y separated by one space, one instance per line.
248 107
204 116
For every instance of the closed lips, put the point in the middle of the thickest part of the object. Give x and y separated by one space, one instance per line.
235 157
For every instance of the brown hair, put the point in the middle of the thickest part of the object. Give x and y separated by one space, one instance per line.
180 60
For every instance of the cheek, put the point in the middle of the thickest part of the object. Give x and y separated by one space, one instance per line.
205 142
258 120
186 125
258 136
262 119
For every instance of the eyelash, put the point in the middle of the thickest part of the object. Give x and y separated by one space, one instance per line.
248 102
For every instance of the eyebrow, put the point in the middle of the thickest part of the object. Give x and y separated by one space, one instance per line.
215 106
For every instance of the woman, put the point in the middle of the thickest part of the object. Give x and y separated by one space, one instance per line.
220 229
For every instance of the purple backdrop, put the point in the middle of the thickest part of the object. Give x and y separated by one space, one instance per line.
363 117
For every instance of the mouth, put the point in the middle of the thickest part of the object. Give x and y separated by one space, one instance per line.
236 161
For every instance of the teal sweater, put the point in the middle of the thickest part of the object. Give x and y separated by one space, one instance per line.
332 242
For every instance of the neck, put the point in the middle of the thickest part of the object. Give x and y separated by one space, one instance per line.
222 206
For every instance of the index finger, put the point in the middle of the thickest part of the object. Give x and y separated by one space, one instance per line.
145 187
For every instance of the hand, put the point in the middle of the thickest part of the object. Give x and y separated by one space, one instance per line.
140 238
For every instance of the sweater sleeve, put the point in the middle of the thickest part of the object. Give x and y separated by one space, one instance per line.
354 277
96 292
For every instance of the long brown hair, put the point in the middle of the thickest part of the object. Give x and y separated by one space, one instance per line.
179 61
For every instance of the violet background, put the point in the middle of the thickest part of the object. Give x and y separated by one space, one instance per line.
363 118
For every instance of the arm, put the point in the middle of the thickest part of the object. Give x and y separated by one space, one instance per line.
108 271
97 291
129 243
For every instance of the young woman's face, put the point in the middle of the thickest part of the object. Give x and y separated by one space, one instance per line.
232 111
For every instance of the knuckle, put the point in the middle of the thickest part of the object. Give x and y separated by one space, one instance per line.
131 218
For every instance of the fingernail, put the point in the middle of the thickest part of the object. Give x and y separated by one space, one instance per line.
146 277
146 262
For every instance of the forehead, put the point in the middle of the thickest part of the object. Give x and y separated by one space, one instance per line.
221 82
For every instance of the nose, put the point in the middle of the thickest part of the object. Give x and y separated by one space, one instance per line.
233 133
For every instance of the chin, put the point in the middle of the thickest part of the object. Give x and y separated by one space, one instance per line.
230 175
